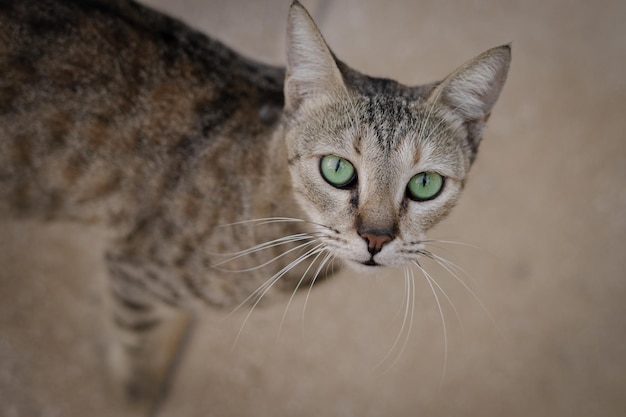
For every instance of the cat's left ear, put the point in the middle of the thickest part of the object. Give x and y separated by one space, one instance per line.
312 72
472 90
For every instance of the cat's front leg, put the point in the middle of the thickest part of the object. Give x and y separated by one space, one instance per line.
148 336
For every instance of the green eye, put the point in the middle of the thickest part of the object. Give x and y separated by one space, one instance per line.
425 186
337 171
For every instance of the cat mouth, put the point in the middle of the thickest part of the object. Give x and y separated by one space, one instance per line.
370 262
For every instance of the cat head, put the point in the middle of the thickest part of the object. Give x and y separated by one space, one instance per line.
374 163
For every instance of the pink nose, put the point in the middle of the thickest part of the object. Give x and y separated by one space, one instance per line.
375 242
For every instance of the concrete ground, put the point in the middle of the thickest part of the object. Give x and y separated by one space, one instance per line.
544 211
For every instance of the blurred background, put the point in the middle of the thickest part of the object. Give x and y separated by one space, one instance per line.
539 325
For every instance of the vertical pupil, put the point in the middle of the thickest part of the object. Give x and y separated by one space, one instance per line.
424 180
338 165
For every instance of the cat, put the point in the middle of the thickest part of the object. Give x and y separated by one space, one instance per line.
219 179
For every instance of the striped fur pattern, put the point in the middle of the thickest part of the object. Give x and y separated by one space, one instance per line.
114 115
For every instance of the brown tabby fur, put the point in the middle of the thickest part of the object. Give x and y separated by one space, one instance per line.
114 115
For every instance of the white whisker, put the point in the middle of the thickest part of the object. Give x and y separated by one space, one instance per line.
277 275
452 242
271 220
454 270
430 281
293 294
263 246
260 292
330 265
443 292
308 294
408 305
275 258
451 266
265 220
401 307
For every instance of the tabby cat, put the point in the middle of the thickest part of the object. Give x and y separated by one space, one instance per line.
218 178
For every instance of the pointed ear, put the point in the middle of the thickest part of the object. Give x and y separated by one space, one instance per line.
311 68
472 90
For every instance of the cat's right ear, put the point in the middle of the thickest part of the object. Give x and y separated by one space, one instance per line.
312 73
472 90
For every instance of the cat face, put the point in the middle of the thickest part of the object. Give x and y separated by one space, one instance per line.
375 164
377 175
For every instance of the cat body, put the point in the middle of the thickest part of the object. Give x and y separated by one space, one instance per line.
146 128
114 115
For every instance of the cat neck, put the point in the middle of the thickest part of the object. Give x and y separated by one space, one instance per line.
276 193
234 180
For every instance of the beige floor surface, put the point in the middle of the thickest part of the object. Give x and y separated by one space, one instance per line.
544 211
